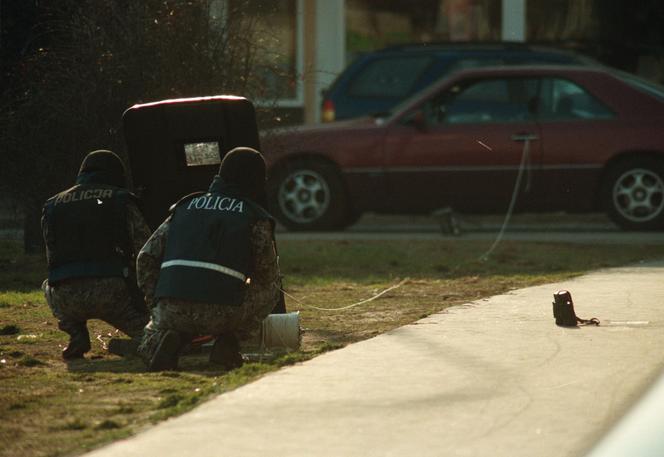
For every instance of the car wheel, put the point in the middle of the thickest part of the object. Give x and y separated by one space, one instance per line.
633 194
308 195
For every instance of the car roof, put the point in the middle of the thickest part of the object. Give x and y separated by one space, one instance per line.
528 69
500 46
512 70
458 50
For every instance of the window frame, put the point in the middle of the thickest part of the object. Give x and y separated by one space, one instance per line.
468 83
540 118
298 100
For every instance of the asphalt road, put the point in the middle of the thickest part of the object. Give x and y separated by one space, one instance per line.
551 227
558 228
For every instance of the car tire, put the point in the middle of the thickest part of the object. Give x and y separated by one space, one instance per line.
308 195
633 193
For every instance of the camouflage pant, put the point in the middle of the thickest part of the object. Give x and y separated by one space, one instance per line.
192 319
75 301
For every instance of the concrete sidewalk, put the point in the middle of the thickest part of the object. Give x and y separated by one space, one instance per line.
494 377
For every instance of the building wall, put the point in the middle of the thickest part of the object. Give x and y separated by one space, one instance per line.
327 34
372 24
340 29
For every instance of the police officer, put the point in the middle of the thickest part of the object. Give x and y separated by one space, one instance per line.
211 267
92 233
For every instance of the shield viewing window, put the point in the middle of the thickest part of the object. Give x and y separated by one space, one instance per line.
197 154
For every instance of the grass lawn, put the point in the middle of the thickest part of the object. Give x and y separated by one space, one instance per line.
49 408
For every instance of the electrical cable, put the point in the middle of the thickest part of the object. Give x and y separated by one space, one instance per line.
524 165
399 284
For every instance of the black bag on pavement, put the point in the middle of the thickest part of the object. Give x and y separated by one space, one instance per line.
563 311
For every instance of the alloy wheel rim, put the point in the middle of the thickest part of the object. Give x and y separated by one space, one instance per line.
304 196
638 195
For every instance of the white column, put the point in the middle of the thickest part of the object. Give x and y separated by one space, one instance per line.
514 20
330 46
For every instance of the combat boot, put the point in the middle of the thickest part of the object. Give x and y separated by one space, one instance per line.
226 352
79 342
166 354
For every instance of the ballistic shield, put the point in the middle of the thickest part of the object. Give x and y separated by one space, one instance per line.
175 146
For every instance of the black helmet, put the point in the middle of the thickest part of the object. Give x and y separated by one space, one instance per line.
102 167
245 168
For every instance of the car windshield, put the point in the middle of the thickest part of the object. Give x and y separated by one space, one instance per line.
640 84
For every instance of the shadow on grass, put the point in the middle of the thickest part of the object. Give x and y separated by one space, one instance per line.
197 364
129 365
333 337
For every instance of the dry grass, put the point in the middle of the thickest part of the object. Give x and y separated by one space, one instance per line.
50 408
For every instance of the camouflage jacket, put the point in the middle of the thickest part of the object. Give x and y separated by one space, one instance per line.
265 272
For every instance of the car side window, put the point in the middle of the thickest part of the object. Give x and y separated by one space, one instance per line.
562 99
389 77
484 101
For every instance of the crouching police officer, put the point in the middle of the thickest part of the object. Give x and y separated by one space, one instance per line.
211 267
92 233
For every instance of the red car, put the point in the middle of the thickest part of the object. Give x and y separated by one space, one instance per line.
584 139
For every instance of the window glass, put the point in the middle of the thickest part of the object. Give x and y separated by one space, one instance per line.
562 20
274 23
197 154
562 99
392 77
374 24
484 101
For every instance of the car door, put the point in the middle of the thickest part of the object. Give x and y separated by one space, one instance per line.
463 147
577 129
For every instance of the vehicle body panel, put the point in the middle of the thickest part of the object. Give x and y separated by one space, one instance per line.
395 164
450 165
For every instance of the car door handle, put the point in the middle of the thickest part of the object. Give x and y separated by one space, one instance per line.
525 137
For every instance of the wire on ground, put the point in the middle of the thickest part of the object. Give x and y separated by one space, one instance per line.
399 284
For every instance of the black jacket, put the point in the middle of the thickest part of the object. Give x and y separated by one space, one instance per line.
85 230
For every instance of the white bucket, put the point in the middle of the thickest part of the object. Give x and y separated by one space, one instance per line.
281 331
